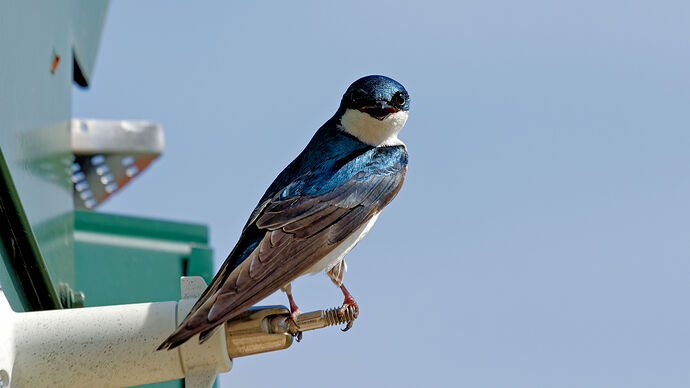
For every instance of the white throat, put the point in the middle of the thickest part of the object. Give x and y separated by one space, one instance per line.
372 131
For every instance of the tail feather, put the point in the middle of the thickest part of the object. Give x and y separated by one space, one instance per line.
206 334
193 324
180 336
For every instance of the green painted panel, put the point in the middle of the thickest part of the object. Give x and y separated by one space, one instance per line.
89 16
110 274
25 274
9 285
121 259
37 42
201 263
35 111
137 226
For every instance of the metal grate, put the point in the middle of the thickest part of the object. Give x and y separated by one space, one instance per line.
108 154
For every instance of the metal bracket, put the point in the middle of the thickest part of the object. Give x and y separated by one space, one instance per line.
108 154
202 362
265 329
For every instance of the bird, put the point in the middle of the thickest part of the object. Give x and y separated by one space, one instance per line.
315 211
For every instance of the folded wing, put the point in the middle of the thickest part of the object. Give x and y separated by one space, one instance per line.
290 236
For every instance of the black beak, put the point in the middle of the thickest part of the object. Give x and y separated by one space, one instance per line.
379 110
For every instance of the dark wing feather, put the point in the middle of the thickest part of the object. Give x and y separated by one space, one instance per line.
293 235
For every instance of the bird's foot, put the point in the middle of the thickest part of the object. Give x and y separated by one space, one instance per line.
294 312
292 322
347 304
292 319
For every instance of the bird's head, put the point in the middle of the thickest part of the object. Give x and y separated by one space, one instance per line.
374 109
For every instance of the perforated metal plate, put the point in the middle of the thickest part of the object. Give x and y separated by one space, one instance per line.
108 154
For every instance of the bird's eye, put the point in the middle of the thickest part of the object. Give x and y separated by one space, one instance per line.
358 94
399 99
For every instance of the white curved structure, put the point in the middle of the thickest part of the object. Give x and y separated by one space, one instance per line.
110 346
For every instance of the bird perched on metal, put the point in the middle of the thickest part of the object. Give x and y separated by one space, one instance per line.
318 208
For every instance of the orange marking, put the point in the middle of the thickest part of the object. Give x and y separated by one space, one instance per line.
54 63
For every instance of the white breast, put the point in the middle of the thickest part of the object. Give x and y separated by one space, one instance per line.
337 254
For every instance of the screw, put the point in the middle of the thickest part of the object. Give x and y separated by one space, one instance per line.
281 324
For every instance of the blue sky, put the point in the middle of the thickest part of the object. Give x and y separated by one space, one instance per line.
541 237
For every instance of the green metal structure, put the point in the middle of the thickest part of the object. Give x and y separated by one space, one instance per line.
141 259
44 44
53 256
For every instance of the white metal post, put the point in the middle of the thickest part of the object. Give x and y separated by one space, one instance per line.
110 346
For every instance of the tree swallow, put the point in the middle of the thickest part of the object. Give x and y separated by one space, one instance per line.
318 208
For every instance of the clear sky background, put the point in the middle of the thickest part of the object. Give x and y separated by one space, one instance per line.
542 236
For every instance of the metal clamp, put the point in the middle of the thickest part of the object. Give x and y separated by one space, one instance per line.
265 329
